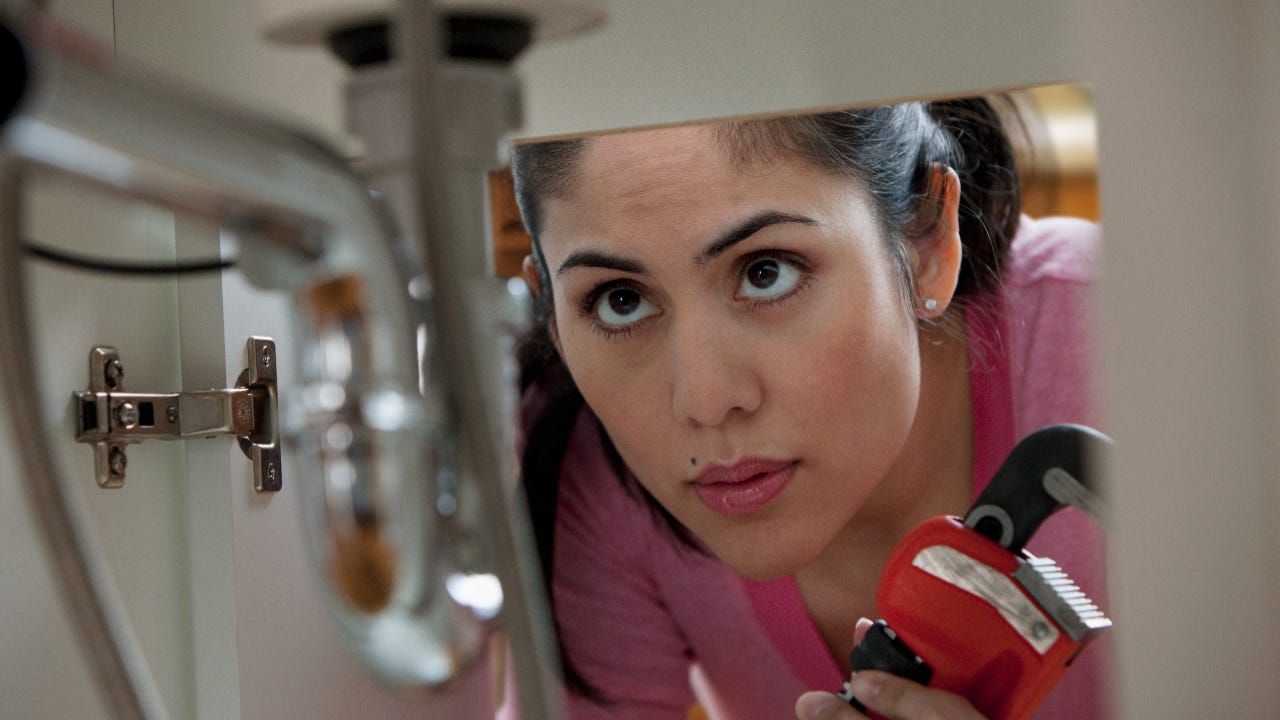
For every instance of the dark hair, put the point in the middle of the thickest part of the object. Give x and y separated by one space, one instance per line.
894 151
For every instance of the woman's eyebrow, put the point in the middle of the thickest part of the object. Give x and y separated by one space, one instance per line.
593 258
746 229
735 235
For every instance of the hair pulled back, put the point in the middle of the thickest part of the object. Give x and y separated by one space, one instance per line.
895 151
892 150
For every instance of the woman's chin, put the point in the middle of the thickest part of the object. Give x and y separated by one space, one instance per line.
764 563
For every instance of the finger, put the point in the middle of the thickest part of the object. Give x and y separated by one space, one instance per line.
825 706
860 630
901 699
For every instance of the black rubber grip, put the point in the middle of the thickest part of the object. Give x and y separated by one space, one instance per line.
882 649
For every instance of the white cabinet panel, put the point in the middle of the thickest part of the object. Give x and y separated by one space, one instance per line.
1188 105
663 61
140 526
42 672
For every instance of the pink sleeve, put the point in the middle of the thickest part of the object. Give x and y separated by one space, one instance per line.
614 624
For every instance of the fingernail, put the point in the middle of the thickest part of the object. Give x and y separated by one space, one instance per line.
817 706
865 687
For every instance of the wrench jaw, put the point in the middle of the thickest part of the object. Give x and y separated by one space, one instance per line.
993 622
1055 592
1049 469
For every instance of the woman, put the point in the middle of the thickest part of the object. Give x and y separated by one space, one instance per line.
796 339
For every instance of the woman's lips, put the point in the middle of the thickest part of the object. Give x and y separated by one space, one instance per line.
743 487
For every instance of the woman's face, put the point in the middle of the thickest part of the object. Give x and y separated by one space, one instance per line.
741 333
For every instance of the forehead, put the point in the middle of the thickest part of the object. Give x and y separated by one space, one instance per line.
652 166
678 180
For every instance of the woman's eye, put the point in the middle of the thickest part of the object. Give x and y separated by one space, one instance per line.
769 278
623 306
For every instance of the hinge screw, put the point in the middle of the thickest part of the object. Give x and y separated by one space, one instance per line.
114 374
266 356
117 461
127 414
173 414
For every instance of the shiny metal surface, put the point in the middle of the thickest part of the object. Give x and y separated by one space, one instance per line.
996 513
108 418
1067 490
180 415
106 373
964 572
1074 612
262 443
458 113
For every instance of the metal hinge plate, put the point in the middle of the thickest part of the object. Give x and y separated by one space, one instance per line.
109 418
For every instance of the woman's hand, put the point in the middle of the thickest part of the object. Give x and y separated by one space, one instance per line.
888 696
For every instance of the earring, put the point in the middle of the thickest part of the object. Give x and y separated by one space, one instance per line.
930 305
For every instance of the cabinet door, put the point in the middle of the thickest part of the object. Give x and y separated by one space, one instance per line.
140 527
212 574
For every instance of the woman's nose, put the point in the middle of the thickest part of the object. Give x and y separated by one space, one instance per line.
713 376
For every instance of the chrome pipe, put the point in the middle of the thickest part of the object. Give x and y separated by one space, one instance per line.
371 446
449 211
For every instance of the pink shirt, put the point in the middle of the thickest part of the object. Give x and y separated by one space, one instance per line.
641 615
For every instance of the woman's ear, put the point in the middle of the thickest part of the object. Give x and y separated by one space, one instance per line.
533 278
938 253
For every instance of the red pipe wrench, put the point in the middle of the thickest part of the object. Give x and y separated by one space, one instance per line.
967 610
